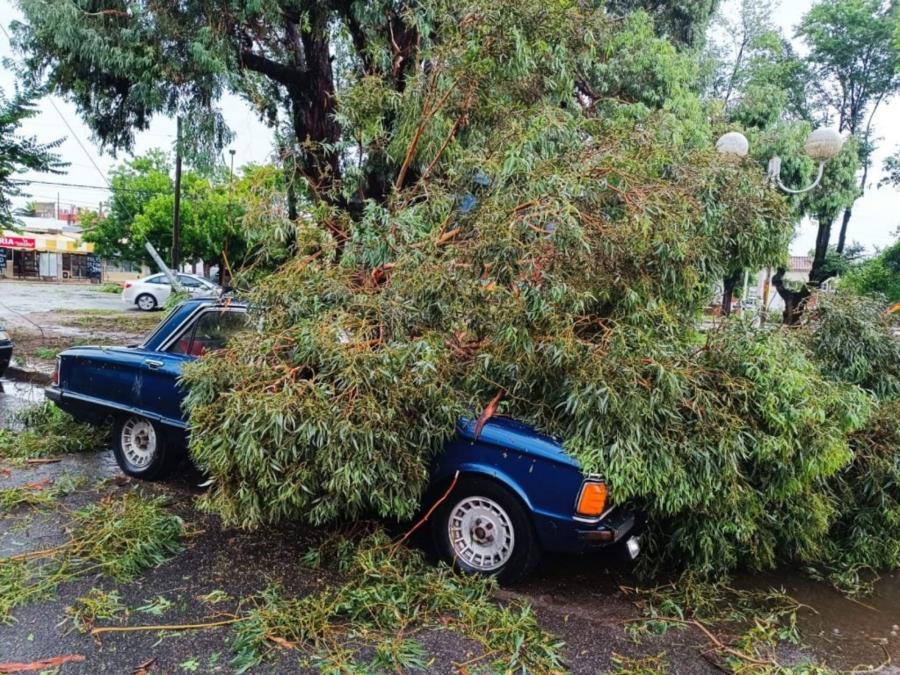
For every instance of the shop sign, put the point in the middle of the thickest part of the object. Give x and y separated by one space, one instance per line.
17 242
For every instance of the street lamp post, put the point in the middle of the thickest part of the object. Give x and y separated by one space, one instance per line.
821 145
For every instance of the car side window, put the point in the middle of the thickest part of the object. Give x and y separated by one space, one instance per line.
161 279
209 332
190 282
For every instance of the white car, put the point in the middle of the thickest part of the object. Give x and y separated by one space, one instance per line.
151 292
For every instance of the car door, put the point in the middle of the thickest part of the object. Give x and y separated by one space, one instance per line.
160 287
209 330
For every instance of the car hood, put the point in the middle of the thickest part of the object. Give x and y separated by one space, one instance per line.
509 433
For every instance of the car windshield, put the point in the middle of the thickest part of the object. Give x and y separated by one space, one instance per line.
210 332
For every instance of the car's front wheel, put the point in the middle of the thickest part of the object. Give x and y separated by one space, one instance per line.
146 302
483 528
141 450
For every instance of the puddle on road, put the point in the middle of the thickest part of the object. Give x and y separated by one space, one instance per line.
16 395
848 634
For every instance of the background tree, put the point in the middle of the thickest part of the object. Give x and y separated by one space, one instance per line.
878 276
891 171
684 23
29 210
766 91
856 63
19 154
142 203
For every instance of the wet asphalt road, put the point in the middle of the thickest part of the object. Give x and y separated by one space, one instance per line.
578 599
22 297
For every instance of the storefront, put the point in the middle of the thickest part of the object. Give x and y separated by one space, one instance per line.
47 257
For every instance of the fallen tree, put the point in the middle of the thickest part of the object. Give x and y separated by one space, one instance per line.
556 223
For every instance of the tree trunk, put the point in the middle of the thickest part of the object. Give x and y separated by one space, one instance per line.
848 212
795 301
729 283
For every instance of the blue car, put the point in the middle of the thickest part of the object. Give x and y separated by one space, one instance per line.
515 492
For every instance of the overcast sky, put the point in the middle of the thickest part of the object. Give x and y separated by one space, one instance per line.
875 217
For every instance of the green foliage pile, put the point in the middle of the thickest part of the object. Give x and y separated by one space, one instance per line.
386 595
95 604
555 229
44 430
853 340
119 537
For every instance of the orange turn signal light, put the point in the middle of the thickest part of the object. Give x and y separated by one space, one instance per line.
592 500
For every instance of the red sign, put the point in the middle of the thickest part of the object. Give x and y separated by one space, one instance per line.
17 242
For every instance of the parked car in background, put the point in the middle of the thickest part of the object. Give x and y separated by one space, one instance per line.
6 350
151 292
515 492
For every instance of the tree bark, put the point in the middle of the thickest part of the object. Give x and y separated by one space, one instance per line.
729 283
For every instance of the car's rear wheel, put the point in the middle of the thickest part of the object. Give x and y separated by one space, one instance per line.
483 528
141 450
146 302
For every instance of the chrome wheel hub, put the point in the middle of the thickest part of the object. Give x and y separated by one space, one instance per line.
481 534
138 442
146 302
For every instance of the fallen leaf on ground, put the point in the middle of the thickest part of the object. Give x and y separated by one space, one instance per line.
144 668
281 642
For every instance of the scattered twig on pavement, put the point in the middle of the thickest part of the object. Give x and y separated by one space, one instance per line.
181 626
42 664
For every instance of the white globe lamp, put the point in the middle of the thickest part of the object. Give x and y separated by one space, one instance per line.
823 144
733 145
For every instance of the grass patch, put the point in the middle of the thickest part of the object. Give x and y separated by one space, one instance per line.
43 430
111 321
119 536
386 595
47 353
109 287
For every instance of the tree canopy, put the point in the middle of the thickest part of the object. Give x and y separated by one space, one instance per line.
855 59
18 153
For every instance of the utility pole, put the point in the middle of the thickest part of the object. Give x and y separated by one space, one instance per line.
176 220
223 280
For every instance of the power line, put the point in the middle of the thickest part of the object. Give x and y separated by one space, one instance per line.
80 186
66 122
78 140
